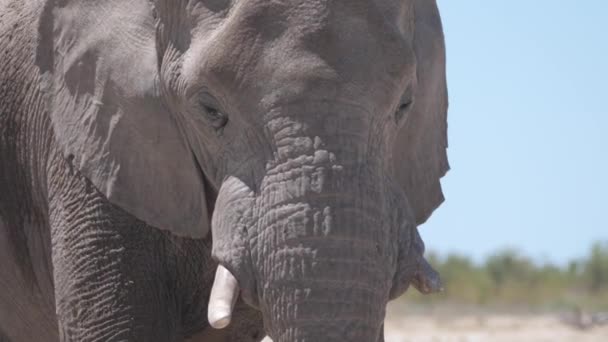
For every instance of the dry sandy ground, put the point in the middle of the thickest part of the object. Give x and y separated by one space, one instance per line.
493 327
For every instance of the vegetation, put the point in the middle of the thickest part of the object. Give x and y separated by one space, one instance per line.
512 281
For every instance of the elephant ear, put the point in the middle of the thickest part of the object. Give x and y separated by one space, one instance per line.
111 124
420 158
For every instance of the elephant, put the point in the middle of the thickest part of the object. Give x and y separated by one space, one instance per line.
169 167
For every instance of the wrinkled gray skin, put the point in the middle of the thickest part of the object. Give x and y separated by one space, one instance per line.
303 140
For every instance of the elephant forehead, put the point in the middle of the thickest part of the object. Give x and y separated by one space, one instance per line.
307 9
338 48
352 21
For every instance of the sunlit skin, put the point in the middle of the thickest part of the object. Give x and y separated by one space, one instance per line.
296 144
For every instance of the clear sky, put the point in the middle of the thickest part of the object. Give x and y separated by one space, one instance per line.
528 128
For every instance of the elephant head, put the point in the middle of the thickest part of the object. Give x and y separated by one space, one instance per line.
308 136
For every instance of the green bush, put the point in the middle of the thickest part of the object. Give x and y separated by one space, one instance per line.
509 279
596 268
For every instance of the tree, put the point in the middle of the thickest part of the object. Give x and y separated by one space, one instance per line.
596 268
509 265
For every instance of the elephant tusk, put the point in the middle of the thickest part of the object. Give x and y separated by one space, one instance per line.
223 296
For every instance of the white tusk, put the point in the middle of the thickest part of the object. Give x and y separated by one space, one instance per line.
224 293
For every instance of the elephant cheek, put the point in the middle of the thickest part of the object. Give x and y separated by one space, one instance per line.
231 220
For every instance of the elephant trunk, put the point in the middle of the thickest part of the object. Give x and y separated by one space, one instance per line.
315 243
323 253
320 255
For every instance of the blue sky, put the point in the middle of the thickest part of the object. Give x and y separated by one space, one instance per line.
528 128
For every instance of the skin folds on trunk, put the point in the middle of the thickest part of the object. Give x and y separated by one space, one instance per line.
313 249
322 263
316 242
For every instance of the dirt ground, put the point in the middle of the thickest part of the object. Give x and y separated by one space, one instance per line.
486 327
495 328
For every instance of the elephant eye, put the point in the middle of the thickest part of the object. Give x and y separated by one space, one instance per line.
216 118
208 105
402 112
